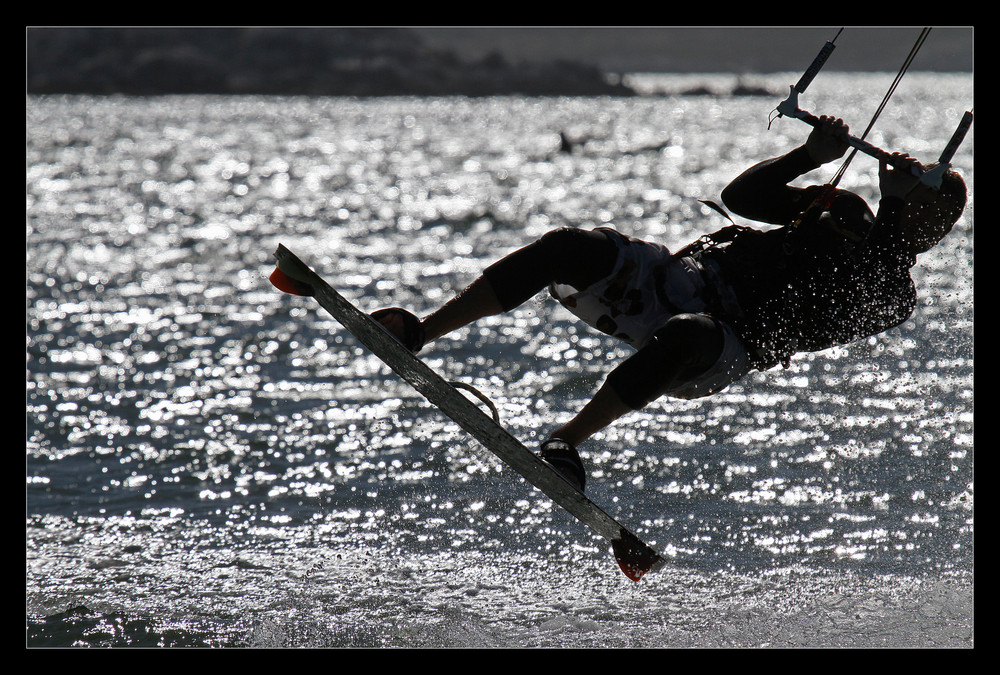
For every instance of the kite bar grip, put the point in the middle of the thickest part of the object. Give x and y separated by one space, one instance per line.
933 177
853 141
815 66
956 138
789 108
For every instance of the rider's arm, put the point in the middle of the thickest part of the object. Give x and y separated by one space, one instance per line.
763 193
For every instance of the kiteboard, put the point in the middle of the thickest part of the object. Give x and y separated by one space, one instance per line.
634 557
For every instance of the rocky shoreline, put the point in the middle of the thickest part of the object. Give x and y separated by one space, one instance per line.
285 61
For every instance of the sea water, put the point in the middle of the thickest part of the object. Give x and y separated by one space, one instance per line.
210 462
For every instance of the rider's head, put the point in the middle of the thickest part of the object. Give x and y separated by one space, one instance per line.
930 213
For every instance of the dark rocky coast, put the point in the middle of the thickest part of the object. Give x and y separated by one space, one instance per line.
289 61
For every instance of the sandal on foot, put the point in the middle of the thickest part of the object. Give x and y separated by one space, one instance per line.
413 332
564 458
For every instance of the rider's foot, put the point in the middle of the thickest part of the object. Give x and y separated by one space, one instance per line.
403 325
564 458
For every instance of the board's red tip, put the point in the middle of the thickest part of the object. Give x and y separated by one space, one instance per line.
285 283
634 558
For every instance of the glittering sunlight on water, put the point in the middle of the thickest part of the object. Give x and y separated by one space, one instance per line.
199 445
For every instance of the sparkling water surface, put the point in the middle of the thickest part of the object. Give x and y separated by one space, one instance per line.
212 462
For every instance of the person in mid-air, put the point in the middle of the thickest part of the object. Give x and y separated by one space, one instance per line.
738 300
